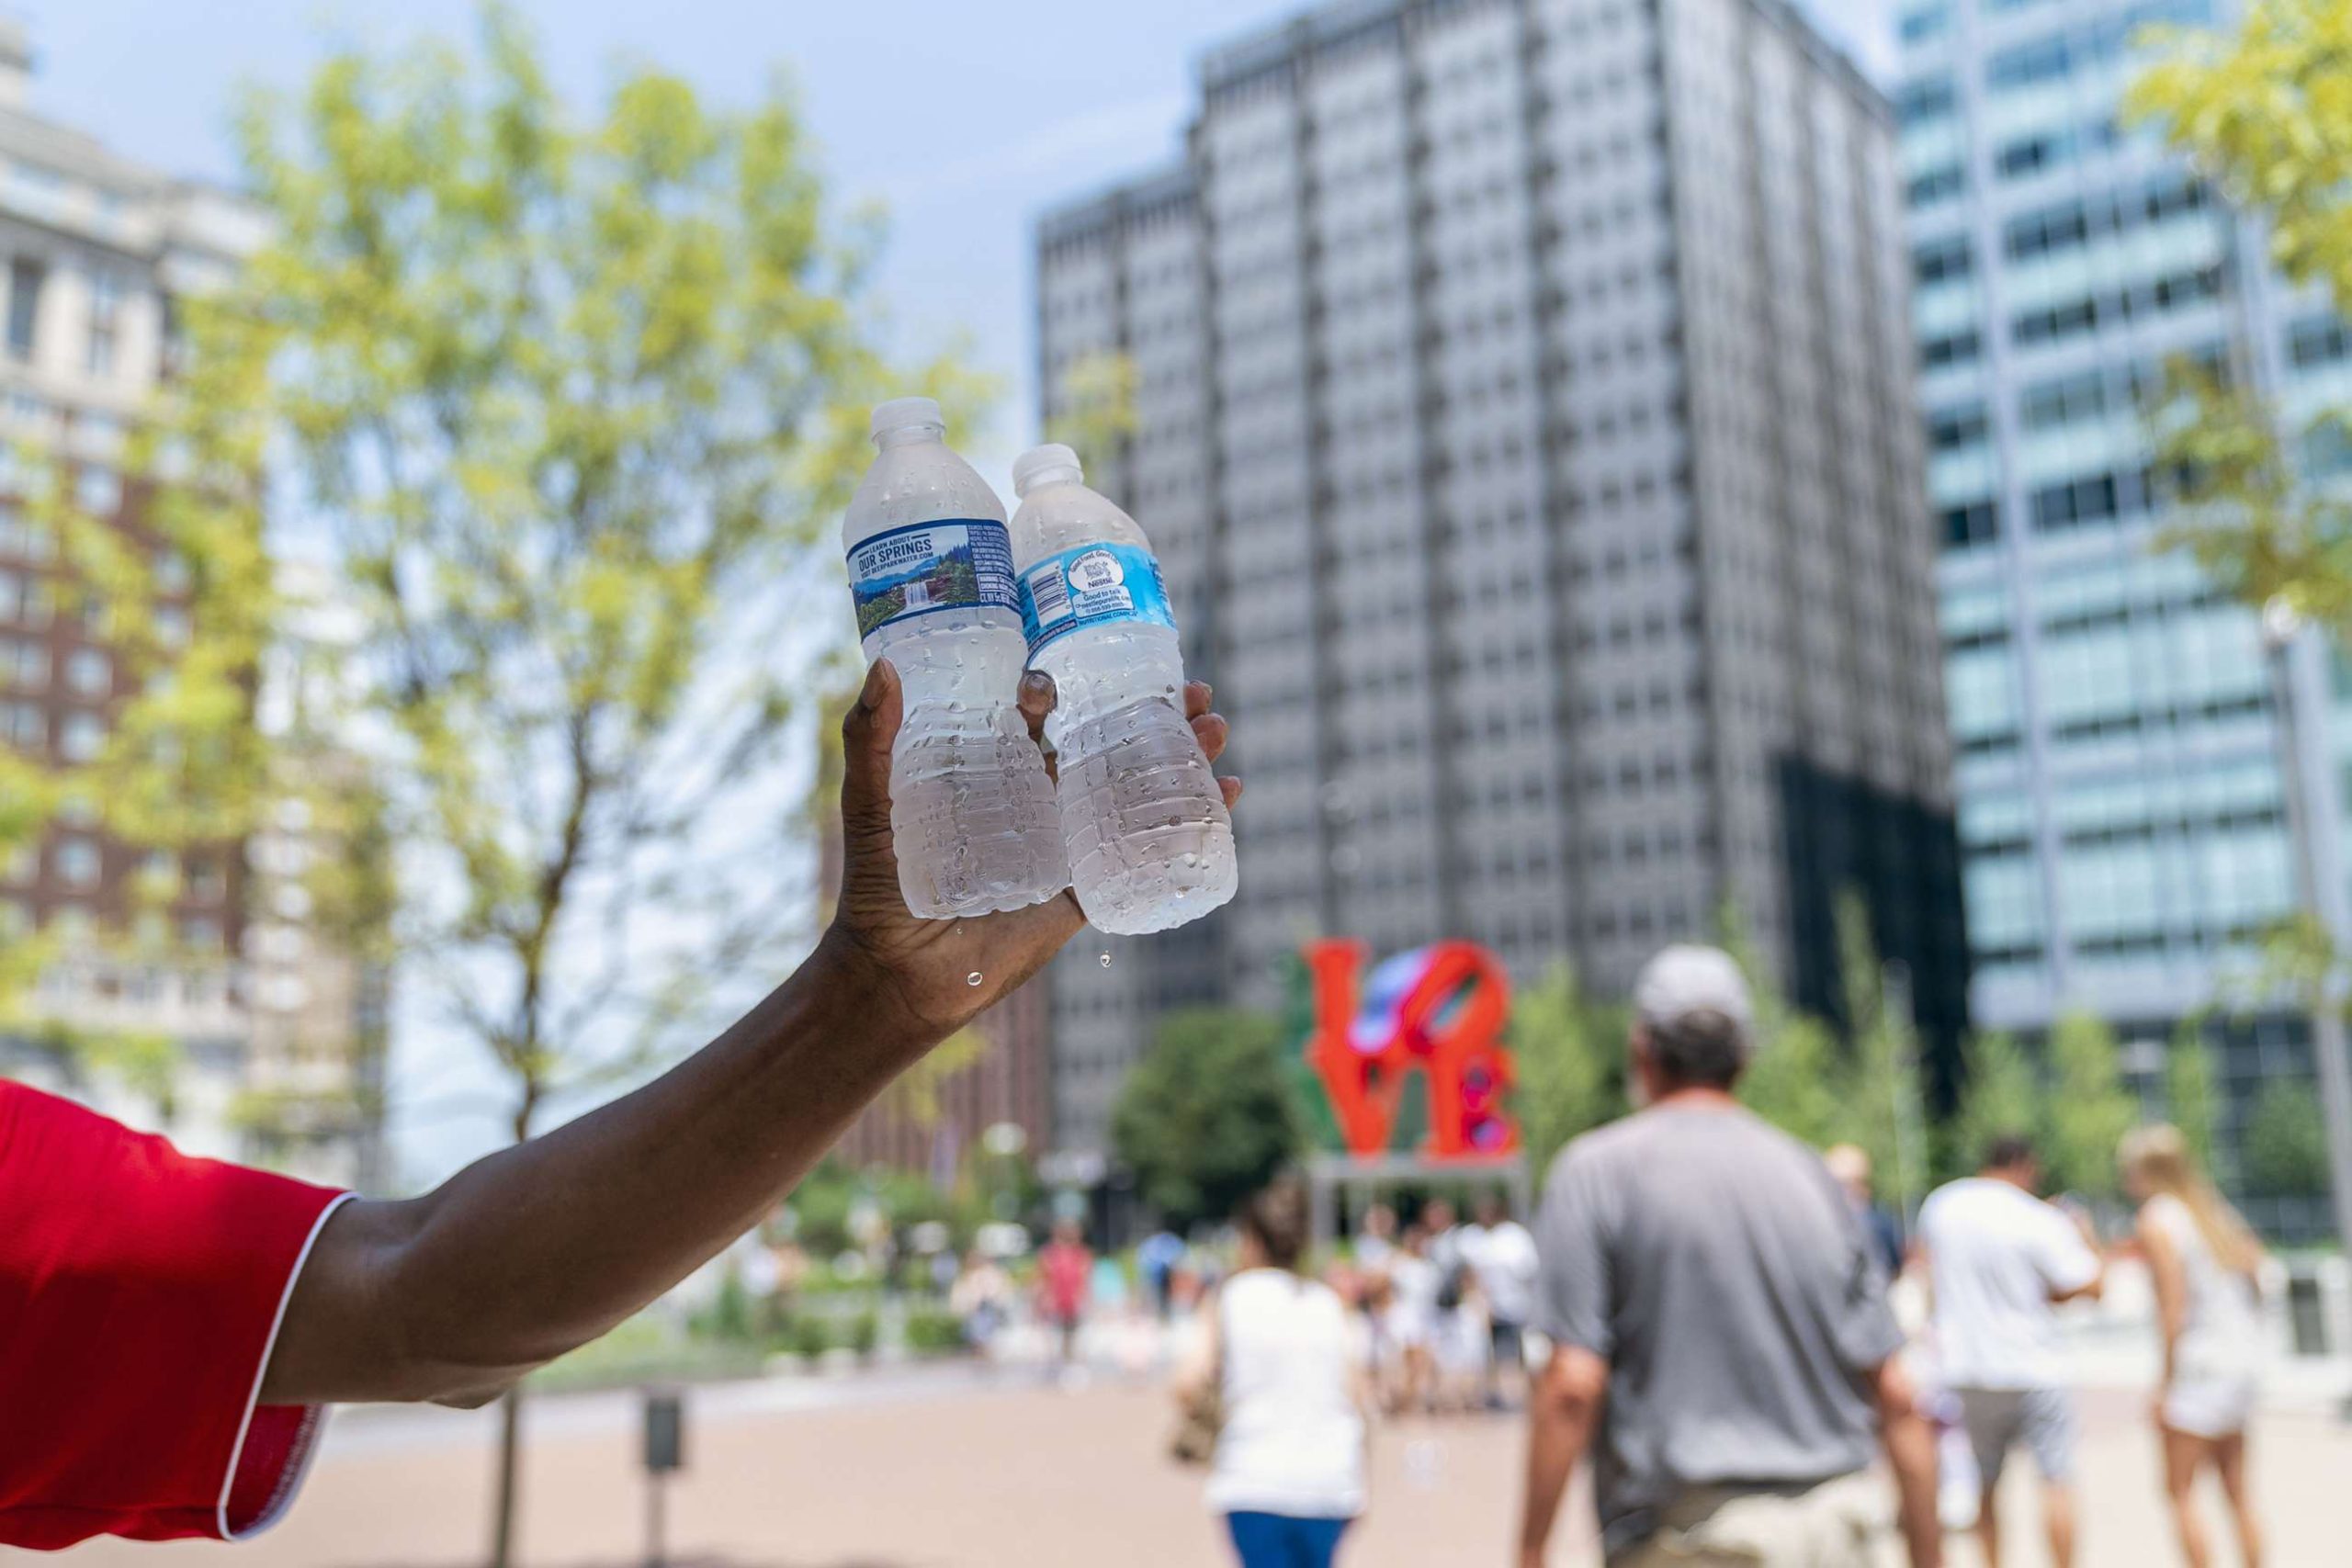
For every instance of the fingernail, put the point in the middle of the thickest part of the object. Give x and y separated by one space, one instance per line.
869 696
1038 684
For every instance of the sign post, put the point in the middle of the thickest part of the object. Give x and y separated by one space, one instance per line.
665 1452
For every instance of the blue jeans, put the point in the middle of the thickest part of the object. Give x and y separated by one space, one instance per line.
1279 1540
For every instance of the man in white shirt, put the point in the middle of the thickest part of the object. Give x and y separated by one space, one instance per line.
1502 1253
2000 1260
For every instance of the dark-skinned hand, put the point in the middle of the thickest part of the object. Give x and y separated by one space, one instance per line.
924 967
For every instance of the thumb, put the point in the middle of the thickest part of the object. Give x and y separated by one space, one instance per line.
867 734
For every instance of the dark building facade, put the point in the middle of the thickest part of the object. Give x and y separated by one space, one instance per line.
1525 423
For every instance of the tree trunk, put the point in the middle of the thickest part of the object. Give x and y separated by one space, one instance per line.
510 1405
510 1454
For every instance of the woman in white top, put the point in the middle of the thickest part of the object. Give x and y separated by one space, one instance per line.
1289 1469
2202 1259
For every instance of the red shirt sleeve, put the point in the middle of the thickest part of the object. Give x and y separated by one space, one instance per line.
140 1295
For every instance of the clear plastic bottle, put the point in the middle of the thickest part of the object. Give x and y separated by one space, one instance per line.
1149 841
930 566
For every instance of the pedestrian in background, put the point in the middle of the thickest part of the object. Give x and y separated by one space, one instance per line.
2203 1261
1410 1323
1723 1345
1157 1259
1290 1363
1850 1165
1065 1276
1376 1237
2000 1261
981 1299
1502 1256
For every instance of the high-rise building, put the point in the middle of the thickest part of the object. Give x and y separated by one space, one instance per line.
96 249
2119 771
1525 421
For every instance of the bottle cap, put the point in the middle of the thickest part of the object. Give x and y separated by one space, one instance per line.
1051 464
904 413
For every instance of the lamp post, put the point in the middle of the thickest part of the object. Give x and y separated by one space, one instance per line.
2280 627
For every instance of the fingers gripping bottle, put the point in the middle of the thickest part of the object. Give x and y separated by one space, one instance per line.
1149 841
930 566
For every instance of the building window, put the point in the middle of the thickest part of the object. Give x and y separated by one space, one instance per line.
1959 348
1975 523
1926 101
1921 23
1941 260
25 277
106 313
89 673
78 863
99 491
1955 429
2318 340
2065 401
1936 185
2042 59
81 737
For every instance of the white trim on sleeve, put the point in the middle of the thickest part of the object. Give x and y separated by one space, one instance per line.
309 1446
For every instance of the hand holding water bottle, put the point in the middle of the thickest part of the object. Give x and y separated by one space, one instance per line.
939 973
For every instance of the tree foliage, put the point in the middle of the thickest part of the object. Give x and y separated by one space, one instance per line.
571 405
2284 1149
2191 1091
1570 1053
2086 1107
1098 416
1207 1117
2000 1096
2261 111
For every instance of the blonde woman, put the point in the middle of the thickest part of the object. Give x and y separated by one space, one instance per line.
2203 1261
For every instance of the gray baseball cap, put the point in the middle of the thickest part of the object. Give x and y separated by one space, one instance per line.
1687 978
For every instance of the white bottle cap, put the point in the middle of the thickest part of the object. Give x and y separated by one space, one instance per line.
905 413
1051 464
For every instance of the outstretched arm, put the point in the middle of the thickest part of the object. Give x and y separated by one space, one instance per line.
540 1248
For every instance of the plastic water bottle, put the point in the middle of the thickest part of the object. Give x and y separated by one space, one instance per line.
1149 841
931 568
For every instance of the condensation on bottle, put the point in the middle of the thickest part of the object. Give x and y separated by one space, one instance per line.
972 810
1148 839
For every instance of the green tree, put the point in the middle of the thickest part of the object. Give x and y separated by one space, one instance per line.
2261 111
2190 1091
570 404
2086 1107
1886 1113
1570 1053
1207 1117
1801 1077
2284 1149
1098 416
2000 1096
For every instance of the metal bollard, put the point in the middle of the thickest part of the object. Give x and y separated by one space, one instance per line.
665 1451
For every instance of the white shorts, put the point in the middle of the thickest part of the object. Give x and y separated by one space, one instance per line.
2214 1405
1999 1420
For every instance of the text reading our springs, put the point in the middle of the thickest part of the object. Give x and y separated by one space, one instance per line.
955 564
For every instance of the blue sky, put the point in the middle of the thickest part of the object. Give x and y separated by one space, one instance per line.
962 119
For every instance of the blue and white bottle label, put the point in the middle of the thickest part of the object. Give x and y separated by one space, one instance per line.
1091 586
957 563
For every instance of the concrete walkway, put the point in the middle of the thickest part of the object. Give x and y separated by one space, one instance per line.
944 1469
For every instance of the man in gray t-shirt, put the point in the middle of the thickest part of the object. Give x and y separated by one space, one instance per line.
1722 1339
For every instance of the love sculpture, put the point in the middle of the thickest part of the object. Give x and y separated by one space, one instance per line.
1438 1010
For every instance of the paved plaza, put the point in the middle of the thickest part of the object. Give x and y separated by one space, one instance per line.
945 1469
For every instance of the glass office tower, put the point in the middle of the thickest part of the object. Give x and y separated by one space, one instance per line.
2119 765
